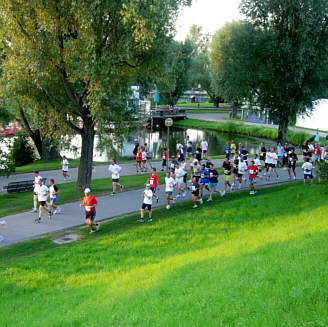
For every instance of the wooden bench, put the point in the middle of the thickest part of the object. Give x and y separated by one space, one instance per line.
21 186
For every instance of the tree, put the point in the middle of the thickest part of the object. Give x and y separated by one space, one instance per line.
175 79
81 55
293 59
200 40
234 63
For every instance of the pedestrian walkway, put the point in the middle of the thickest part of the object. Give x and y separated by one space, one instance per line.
21 226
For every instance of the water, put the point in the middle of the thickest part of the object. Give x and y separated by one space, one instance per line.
158 140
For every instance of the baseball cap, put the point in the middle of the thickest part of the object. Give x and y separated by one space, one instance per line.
87 190
148 185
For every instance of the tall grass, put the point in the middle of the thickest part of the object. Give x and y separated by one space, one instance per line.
233 127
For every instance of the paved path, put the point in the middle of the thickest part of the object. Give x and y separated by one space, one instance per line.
221 118
21 226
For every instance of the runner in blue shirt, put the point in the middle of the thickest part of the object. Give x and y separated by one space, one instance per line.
204 181
228 150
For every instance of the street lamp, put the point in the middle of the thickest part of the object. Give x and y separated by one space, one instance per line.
168 124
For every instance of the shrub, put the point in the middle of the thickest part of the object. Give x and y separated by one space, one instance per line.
322 170
21 153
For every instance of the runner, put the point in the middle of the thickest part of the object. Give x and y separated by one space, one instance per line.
43 193
244 153
135 149
208 163
180 154
53 190
263 154
204 148
317 154
192 161
114 169
169 187
257 163
35 194
233 148
228 150
147 195
292 158
252 169
242 167
89 203
226 166
311 149
179 173
197 170
164 159
198 153
235 176
280 154
139 160
178 145
195 193
173 163
307 168
204 180
214 175
271 160
189 147
153 182
305 150
184 166
285 158
144 159
65 164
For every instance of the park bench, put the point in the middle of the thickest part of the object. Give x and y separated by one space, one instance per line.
21 186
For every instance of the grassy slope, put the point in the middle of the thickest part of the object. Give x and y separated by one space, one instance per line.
238 261
240 128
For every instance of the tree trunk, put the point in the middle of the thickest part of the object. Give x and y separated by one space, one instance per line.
85 168
216 102
283 130
234 111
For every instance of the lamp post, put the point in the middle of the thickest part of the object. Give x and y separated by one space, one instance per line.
168 124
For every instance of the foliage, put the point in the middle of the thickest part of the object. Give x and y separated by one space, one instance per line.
233 127
21 152
200 40
175 80
293 56
237 261
322 170
78 59
6 165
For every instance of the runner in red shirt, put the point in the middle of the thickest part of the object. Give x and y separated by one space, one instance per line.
164 159
252 171
89 203
153 182
317 153
139 160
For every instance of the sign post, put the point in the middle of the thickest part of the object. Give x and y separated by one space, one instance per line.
168 124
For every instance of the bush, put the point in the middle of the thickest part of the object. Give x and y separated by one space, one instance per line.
322 170
21 153
6 165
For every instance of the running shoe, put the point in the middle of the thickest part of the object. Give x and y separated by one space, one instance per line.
239 187
37 220
157 199
294 177
97 226
184 194
209 199
112 194
168 207
222 193
278 177
195 206
141 220
150 220
92 231
201 201
34 210
122 187
50 214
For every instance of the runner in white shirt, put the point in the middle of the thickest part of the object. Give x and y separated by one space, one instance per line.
307 168
179 175
257 163
169 188
204 148
144 160
114 169
35 194
53 191
242 167
271 161
65 164
147 195
42 193
184 166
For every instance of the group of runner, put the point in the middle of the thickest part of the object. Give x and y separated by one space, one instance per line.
204 176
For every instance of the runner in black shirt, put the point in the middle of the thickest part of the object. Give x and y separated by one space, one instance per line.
292 158
305 150
195 192
214 175
198 152
262 153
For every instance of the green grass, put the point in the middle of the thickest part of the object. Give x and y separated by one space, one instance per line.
238 261
231 126
22 201
51 164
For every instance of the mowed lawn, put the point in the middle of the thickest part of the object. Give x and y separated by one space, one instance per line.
238 261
